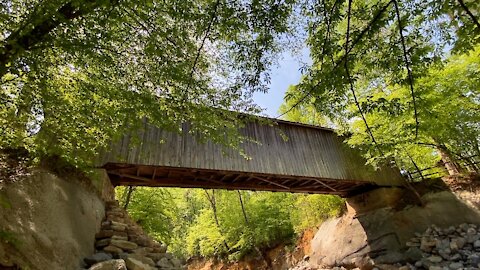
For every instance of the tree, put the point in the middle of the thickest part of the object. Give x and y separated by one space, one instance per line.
152 208
77 74
305 112
363 51
448 108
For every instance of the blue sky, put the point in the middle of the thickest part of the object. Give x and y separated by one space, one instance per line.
287 72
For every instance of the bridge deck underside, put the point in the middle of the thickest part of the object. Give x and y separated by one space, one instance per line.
162 176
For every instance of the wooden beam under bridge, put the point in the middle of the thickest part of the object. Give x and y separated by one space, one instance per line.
164 176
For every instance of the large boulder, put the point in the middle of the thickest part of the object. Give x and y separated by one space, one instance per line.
369 236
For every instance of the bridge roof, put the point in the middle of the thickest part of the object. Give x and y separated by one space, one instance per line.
312 159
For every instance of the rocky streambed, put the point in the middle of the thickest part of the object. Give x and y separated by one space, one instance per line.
447 248
452 248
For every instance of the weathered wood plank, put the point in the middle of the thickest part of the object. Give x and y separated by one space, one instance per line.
309 152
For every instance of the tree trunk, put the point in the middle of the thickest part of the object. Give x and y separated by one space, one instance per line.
449 162
243 208
213 203
129 196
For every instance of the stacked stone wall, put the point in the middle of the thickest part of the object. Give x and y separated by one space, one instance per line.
122 244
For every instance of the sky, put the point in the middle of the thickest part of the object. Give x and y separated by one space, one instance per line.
286 73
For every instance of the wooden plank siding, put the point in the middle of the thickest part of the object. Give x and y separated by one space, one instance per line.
314 154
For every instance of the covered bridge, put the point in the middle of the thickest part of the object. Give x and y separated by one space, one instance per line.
289 157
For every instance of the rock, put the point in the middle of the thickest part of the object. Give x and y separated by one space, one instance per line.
122 255
156 256
473 238
455 265
457 243
471 231
118 237
455 257
382 267
427 243
144 241
412 244
176 262
474 259
118 233
142 250
118 226
160 249
435 259
390 258
142 259
102 243
124 240
133 264
104 234
413 254
111 204
476 244
433 267
442 244
125 245
115 218
164 263
109 265
112 249
445 253
106 223
97 257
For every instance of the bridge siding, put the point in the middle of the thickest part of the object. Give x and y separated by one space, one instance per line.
308 152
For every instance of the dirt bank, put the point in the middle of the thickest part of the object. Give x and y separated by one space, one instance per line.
47 222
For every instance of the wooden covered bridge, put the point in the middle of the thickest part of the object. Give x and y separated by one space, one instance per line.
311 160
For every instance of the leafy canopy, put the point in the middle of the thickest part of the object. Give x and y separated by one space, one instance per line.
380 72
76 74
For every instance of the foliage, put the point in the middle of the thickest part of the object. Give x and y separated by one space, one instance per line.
153 209
380 72
380 43
448 106
185 220
76 74
304 112
312 210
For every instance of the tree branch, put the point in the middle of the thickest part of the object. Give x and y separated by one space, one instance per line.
470 14
329 22
207 33
407 65
350 81
347 52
